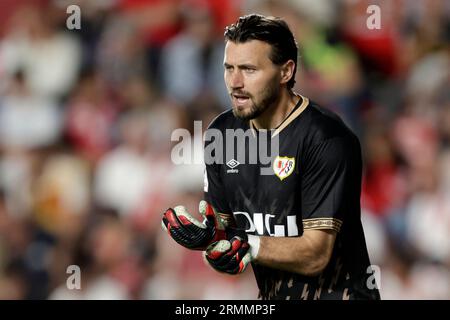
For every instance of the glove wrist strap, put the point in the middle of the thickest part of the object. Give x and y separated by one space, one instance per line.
254 242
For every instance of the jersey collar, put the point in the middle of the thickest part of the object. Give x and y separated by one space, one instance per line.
296 112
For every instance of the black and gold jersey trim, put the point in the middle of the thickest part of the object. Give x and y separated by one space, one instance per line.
295 114
322 223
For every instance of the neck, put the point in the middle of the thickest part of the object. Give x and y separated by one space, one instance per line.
277 112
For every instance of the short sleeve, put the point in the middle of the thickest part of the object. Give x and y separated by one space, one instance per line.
213 188
331 183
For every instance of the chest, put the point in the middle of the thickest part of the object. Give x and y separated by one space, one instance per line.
263 191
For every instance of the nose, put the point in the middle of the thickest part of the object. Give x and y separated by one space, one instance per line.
236 80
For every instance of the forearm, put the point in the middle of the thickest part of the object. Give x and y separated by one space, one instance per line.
307 255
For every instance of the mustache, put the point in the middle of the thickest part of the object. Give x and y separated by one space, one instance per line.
241 93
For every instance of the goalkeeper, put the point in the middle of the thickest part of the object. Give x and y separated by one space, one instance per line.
300 227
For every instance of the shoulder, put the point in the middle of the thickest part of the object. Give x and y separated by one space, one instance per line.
325 125
329 141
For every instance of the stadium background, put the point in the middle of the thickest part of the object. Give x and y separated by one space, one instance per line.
86 118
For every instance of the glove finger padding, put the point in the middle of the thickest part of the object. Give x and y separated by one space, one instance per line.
185 229
229 256
212 218
236 250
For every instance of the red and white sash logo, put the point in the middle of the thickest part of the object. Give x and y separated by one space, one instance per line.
283 167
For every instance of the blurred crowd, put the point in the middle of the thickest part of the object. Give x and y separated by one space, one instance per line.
86 118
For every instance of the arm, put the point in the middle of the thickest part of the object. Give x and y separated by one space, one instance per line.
307 255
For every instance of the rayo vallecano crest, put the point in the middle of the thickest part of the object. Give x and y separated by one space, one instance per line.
283 166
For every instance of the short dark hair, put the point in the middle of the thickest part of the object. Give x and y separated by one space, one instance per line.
271 30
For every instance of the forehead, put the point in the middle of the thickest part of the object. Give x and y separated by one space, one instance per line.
253 51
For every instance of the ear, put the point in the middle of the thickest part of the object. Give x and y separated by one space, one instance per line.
287 71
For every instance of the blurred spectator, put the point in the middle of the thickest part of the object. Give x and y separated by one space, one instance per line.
384 185
27 120
61 195
121 53
50 59
156 22
192 62
103 276
123 174
91 115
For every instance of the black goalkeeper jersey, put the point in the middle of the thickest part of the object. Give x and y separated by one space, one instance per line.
314 182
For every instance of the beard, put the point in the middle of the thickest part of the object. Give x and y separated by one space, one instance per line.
268 96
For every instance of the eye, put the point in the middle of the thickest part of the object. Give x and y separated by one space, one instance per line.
249 70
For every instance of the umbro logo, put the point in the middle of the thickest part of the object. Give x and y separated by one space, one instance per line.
232 164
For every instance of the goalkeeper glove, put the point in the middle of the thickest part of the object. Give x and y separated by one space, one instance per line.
193 234
232 256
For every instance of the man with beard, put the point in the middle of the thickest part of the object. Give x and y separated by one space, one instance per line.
300 227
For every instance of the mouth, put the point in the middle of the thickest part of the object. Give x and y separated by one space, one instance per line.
240 99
